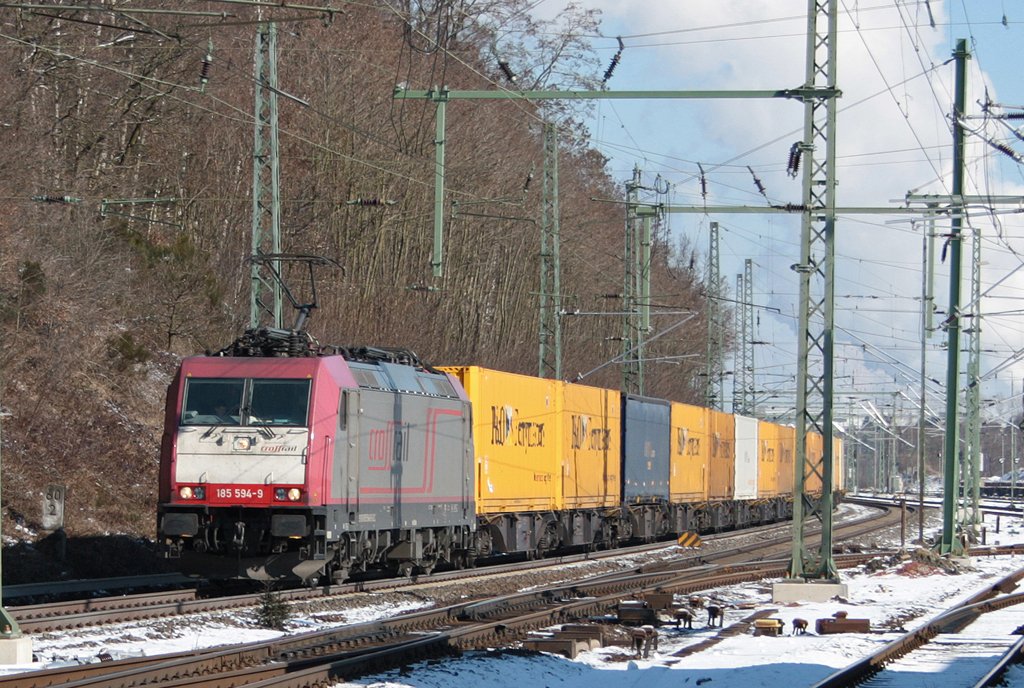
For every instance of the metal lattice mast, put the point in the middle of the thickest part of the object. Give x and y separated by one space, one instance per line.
927 308
745 355
550 268
894 442
643 289
738 381
714 394
950 544
265 303
817 261
972 487
632 371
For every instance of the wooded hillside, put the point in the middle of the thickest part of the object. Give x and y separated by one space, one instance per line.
127 206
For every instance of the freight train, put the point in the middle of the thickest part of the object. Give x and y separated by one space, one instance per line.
285 459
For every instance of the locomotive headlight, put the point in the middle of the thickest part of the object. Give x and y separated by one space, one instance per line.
186 492
242 443
292 494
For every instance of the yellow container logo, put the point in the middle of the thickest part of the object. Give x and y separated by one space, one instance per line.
507 431
586 437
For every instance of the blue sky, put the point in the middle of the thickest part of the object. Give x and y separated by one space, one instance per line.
893 136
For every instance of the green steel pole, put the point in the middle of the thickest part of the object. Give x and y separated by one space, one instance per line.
645 296
972 515
928 326
266 296
1013 453
746 307
816 318
630 357
737 367
827 569
550 349
438 255
949 543
713 397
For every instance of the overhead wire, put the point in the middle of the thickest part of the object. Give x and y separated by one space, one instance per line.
243 116
889 89
362 132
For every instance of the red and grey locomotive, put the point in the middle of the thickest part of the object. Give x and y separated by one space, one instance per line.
282 458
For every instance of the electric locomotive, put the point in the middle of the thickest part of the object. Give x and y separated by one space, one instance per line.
282 458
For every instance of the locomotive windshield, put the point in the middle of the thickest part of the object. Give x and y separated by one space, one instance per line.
243 402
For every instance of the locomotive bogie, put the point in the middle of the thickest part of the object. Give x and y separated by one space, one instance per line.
688 483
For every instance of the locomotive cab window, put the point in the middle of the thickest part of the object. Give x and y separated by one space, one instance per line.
279 402
240 402
213 402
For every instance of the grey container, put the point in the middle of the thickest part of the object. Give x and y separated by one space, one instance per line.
646 427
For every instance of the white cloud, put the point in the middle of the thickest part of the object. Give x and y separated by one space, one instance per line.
893 136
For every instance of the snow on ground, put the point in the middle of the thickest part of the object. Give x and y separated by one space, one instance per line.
894 598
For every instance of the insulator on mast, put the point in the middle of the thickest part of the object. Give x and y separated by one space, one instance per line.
507 71
614 63
529 178
1006 150
793 164
369 202
50 198
204 71
757 182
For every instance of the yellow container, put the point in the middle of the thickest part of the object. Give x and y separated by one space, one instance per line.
786 455
590 441
688 478
517 437
812 478
722 463
838 468
769 458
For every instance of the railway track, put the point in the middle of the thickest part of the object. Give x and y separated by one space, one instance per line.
351 650
993 506
968 644
57 616
323 657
